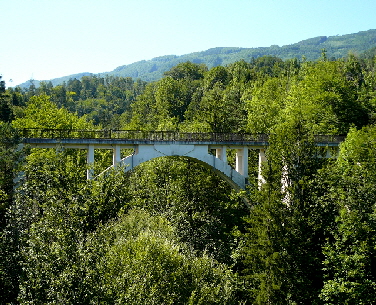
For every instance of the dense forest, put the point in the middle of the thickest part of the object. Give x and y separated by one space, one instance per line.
172 231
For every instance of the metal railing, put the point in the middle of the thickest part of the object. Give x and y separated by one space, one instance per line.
160 135
330 139
141 135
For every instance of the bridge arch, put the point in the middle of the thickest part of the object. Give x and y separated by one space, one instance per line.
199 153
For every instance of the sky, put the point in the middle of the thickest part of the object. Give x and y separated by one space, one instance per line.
46 39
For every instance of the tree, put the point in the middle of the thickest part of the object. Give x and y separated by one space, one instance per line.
266 105
240 72
350 255
268 65
74 85
40 112
325 99
200 205
6 113
140 261
287 227
171 99
219 110
54 211
82 242
143 111
188 71
10 159
218 75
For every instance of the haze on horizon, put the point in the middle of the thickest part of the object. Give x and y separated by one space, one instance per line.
47 39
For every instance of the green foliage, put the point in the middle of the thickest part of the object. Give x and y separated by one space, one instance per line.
143 111
80 242
10 159
6 113
40 112
170 99
325 97
141 262
187 71
55 209
101 99
217 76
350 255
212 111
171 231
281 250
265 106
325 100
200 205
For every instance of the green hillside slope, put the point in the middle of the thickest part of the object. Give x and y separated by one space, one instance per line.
336 46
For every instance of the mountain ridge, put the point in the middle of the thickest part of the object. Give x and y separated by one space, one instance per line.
150 70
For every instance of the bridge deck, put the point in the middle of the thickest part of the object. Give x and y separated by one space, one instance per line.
129 137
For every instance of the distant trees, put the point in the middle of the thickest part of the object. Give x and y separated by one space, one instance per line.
41 112
102 100
6 113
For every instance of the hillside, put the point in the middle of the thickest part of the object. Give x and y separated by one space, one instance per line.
171 230
151 70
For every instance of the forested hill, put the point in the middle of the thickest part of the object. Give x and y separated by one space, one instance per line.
172 231
311 49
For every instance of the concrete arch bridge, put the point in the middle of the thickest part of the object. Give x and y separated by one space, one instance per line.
147 145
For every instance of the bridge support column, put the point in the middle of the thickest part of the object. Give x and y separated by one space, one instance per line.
116 157
242 161
90 162
262 159
220 153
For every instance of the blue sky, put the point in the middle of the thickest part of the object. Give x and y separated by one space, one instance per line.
45 39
